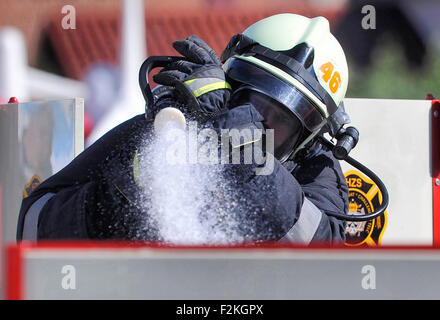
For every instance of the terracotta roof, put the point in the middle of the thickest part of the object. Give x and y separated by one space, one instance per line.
31 16
96 37
97 33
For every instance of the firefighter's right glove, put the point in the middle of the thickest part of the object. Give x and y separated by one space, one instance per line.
198 78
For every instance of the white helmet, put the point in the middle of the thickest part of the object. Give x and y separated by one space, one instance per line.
293 70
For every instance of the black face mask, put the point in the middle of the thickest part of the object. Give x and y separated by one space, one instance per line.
288 130
286 110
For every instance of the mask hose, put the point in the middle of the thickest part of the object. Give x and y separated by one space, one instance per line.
385 198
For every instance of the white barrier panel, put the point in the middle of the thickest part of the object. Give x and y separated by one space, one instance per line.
395 142
87 271
36 140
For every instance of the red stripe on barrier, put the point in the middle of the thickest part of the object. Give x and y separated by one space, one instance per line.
16 253
14 273
1 206
1 240
435 150
130 245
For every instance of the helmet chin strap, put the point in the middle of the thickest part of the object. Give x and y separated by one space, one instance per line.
335 127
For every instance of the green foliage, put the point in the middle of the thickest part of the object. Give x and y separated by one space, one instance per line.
391 77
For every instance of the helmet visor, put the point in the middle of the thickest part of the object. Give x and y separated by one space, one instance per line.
286 94
288 130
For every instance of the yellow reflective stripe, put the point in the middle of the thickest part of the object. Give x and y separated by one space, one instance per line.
188 82
136 169
201 86
211 87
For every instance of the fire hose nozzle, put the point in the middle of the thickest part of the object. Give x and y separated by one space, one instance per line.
169 115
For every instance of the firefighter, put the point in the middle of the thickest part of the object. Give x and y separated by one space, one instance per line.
286 73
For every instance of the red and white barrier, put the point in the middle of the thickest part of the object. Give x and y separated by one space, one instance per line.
147 271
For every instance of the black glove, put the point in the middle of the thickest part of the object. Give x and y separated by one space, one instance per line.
198 79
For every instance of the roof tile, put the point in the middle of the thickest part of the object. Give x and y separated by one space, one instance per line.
97 34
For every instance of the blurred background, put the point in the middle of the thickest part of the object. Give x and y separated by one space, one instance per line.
56 49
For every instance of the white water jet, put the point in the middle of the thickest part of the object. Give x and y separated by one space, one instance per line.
189 202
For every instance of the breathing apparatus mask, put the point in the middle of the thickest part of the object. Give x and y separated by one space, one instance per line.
285 109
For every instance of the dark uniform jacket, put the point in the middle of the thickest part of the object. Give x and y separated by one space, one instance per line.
94 197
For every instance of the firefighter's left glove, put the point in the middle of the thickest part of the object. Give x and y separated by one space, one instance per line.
198 78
